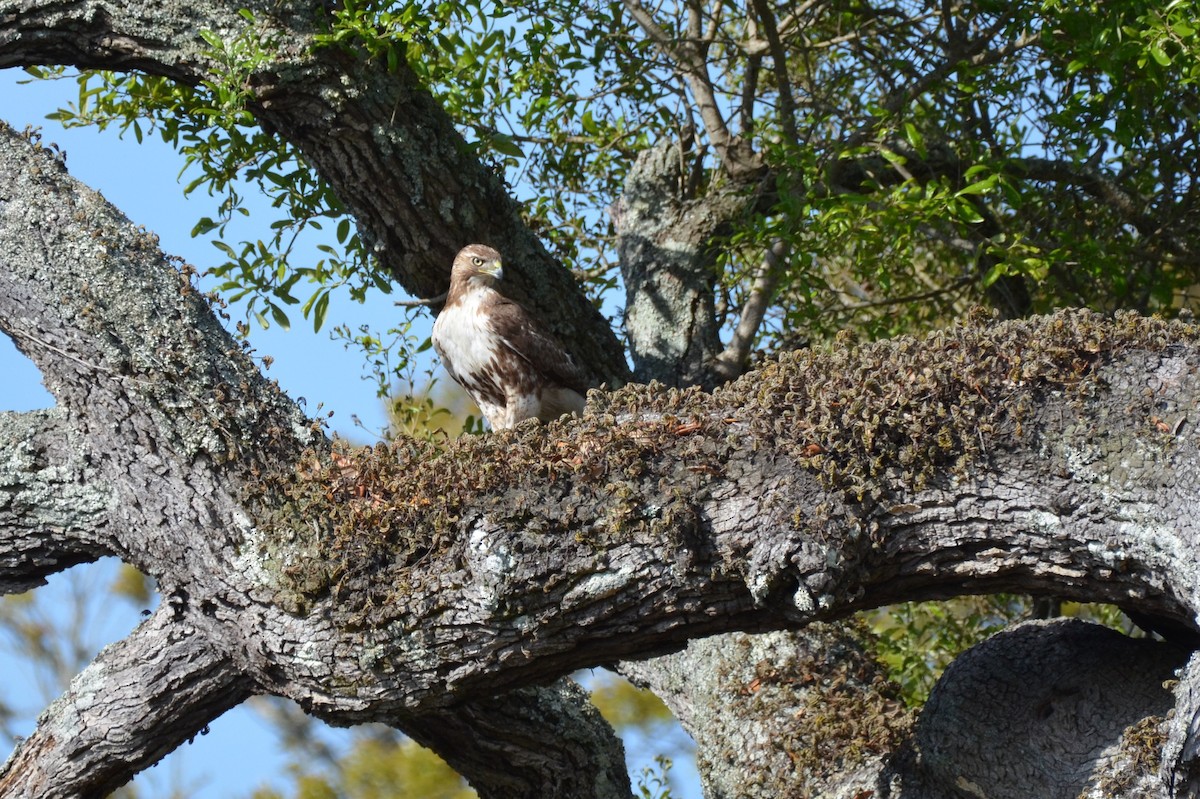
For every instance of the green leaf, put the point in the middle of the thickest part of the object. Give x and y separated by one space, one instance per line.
979 187
279 316
506 146
319 310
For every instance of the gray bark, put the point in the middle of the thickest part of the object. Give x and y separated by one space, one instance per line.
52 510
137 701
1072 708
167 463
781 713
669 265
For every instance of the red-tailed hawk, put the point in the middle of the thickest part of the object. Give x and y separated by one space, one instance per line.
497 350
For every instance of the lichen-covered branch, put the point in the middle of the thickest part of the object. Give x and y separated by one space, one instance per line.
153 395
137 701
53 510
815 487
806 713
667 262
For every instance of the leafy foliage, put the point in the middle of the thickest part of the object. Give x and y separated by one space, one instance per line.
917 160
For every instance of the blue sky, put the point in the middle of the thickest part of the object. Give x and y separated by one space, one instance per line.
142 181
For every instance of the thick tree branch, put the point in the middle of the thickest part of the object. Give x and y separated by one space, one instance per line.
394 583
179 449
138 700
833 718
531 743
53 509
668 263
112 340
1082 707
354 120
803 492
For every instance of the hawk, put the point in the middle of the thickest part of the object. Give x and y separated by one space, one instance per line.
499 352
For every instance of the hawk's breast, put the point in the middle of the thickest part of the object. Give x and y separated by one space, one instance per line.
467 345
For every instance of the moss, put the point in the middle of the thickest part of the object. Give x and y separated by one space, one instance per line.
884 415
848 710
365 524
1140 756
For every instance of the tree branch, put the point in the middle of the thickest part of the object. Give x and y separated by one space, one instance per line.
137 701
779 60
533 743
1070 696
806 491
737 156
833 723
176 450
54 509
732 360
1105 188
354 119
111 345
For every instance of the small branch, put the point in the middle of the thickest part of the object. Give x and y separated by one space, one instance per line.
694 69
732 360
975 54
783 81
136 702
428 302
908 299
1101 187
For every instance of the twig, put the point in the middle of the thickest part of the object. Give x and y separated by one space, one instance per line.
425 303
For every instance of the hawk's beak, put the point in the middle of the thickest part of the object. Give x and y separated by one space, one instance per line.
494 268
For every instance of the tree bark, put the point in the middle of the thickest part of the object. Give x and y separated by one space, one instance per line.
137 701
669 265
782 713
1077 710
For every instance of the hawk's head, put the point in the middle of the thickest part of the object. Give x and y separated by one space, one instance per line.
476 263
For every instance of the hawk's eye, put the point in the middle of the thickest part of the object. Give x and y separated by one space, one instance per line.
477 260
